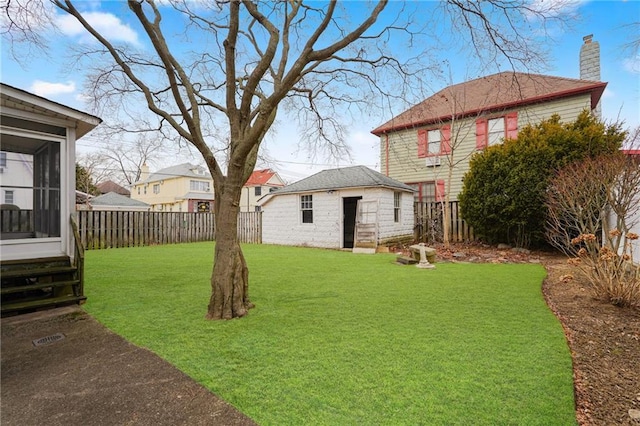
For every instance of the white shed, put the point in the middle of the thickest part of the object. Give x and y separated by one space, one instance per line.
351 207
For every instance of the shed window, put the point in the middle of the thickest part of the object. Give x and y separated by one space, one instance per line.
306 206
396 206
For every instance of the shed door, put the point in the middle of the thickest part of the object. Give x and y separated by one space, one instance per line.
367 224
349 209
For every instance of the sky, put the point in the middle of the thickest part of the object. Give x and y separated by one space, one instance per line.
609 22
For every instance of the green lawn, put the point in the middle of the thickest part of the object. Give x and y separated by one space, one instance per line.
343 339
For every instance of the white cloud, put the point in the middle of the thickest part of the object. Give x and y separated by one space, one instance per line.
106 24
608 94
553 8
44 88
632 65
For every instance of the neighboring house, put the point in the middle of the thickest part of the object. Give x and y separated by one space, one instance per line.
40 261
110 186
339 208
113 201
16 169
260 183
421 145
181 188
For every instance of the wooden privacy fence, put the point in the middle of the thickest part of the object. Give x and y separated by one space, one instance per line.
429 223
113 229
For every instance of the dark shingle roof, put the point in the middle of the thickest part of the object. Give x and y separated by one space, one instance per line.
494 92
113 199
346 177
111 186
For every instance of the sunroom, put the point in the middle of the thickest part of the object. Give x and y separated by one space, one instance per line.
38 254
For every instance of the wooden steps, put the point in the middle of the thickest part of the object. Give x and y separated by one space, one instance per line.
33 284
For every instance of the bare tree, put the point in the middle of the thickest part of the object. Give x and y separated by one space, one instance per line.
127 158
96 166
593 209
319 59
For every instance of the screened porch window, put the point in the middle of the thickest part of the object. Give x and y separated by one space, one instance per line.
31 185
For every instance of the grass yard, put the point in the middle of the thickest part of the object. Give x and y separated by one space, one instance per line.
344 339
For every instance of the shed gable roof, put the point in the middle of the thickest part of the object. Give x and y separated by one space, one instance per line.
494 92
346 177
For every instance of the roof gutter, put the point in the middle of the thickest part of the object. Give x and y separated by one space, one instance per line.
596 91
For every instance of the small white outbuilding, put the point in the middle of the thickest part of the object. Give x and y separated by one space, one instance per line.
351 207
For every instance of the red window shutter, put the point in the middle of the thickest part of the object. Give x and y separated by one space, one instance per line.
445 143
423 143
481 133
512 125
440 190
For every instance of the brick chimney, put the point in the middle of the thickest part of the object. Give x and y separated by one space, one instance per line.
590 64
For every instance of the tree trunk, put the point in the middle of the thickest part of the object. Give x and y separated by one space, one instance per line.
230 277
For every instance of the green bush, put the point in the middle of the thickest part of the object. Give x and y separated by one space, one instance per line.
503 191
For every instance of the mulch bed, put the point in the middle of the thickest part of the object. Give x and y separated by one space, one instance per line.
604 340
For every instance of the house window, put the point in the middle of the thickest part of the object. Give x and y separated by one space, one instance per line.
495 131
3 160
258 208
434 142
156 188
138 190
8 197
396 206
199 185
428 192
306 206
258 191
145 190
